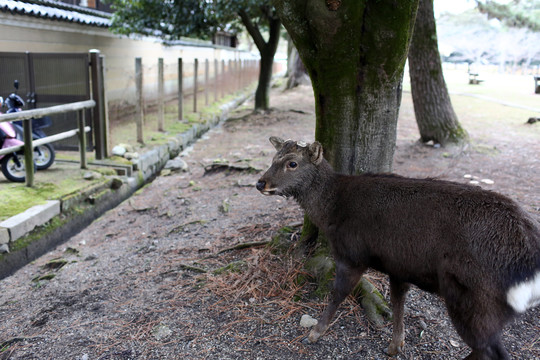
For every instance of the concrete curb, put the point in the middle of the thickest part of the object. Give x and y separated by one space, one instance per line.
92 202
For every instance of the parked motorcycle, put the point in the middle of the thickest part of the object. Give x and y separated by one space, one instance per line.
12 164
44 155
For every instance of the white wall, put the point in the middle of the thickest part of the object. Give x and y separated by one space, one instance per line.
21 33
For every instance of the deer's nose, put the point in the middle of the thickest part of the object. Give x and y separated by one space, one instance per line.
260 185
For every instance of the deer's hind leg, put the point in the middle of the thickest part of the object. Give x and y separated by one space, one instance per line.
346 279
479 317
398 292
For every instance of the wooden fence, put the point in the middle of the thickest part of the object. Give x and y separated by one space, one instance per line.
199 84
29 144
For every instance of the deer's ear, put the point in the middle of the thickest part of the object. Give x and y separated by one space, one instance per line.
277 142
316 152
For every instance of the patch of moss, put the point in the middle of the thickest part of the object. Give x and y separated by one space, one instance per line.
38 233
235 266
486 149
17 198
373 302
56 263
281 242
322 268
48 276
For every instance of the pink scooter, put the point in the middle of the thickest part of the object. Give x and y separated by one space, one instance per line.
12 164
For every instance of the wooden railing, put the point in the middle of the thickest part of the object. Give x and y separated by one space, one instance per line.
29 144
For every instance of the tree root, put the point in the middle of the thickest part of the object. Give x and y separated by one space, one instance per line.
373 302
244 246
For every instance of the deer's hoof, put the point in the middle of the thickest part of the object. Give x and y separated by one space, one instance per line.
314 335
394 349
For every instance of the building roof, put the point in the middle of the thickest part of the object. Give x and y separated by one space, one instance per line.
56 10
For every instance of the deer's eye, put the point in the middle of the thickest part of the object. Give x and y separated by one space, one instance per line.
292 165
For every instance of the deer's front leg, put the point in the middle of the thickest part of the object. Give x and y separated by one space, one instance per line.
398 291
346 279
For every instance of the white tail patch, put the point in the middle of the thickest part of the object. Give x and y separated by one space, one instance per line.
525 294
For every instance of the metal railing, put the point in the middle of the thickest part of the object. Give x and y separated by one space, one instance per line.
29 144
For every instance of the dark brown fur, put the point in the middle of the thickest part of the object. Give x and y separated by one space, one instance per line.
466 244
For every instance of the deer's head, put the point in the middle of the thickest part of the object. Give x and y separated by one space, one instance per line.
292 169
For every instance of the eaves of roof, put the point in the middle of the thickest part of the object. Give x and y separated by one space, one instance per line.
56 10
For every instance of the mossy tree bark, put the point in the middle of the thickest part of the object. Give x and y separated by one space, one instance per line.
433 109
267 49
354 52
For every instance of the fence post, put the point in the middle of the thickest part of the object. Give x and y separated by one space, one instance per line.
161 91
180 90
222 80
230 75
82 138
216 73
105 107
28 152
139 99
237 73
97 91
195 75
206 76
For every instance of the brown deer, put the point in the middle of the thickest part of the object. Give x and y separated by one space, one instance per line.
475 248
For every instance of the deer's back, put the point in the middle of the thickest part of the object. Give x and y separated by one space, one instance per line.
416 228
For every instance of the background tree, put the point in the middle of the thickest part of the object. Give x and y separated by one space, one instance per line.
474 37
435 116
172 20
518 13
296 71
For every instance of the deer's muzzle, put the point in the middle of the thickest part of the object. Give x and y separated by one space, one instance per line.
262 187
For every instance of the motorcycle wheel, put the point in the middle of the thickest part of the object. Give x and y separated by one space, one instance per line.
13 167
43 156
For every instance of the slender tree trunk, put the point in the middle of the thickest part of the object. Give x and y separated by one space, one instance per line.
433 109
267 49
262 93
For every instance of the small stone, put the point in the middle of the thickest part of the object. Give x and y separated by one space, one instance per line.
91 257
467 176
131 155
4 249
474 182
488 181
177 164
454 343
161 331
91 175
119 150
116 183
307 321
129 148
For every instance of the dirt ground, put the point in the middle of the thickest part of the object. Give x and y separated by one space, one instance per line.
140 282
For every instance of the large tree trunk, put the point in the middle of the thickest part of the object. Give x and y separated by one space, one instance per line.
267 49
433 109
354 52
